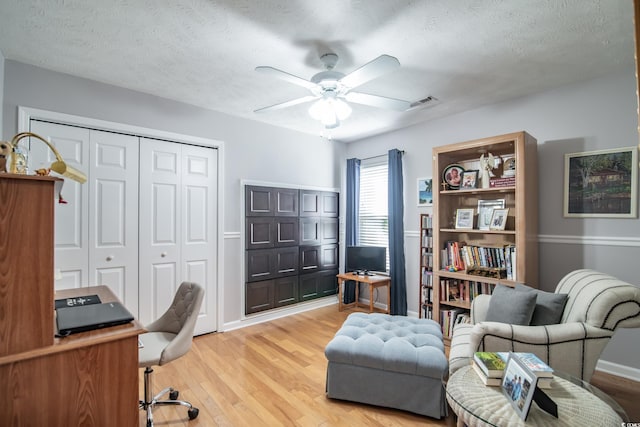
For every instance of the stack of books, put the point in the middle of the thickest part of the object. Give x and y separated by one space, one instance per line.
490 367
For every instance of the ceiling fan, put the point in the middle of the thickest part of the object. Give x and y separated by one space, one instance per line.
332 90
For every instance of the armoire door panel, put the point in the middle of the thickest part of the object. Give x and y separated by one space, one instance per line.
286 261
329 231
310 231
285 291
260 265
286 202
310 258
259 296
259 233
286 230
329 257
330 204
309 203
259 201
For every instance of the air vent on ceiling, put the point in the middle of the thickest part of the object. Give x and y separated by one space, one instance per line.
428 101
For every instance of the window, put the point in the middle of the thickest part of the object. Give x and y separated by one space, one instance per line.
374 213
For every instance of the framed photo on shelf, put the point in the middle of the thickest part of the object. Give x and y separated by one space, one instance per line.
469 179
499 219
452 175
518 386
485 212
601 183
425 192
464 218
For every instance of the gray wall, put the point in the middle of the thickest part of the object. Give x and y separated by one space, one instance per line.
593 115
252 151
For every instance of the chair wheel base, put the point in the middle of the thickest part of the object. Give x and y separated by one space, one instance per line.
193 413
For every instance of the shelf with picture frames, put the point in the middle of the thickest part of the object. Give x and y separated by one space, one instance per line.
513 174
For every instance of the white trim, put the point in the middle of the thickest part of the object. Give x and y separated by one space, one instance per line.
269 315
589 240
26 114
618 370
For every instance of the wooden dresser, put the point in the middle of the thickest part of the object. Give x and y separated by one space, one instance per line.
89 378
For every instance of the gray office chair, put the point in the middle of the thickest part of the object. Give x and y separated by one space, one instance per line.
167 339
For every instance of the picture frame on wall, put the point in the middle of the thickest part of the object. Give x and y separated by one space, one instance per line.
425 191
485 212
601 183
518 385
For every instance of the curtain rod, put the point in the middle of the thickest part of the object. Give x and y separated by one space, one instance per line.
381 155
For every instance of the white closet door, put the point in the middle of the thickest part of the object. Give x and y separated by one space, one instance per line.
71 226
178 234
199 232
113 215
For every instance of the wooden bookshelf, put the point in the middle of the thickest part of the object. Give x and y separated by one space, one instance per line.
521 198
426 267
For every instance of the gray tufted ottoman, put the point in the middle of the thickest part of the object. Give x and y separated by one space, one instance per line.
391 361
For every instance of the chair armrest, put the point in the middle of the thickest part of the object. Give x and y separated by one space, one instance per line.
552 343
479 308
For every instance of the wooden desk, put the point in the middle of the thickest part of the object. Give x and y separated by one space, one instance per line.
374 282
90 378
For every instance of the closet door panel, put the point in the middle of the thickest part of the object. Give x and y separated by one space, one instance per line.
199 235
160 216
71 226
113 215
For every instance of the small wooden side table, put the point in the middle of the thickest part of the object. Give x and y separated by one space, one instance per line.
374 282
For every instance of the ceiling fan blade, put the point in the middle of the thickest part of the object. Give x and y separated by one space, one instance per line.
369 71
287 104
286 76
378 101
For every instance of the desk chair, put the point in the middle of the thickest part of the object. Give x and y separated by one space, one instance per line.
167 339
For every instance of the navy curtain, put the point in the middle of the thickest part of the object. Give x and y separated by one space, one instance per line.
353 210
396 235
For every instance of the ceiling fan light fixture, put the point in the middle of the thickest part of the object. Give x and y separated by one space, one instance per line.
330 111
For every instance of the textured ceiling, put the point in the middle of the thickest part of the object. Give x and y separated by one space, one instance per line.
465 53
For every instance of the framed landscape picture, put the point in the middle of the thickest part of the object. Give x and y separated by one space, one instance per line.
601 183
425 191
464 218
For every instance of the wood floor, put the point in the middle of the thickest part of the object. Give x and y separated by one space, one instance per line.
273 374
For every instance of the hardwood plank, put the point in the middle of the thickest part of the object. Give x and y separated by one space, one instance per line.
274 374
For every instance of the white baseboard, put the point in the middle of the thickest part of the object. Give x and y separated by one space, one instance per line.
618 370
255 319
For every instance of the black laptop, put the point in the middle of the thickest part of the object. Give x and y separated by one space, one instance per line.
82 318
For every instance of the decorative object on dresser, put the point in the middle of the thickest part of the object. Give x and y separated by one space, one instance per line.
475 259
469 179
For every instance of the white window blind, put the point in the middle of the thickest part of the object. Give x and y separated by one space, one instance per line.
374 213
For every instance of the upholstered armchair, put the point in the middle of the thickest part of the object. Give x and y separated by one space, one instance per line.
596 305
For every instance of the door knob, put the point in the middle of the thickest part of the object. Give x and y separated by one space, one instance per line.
163 254
109 257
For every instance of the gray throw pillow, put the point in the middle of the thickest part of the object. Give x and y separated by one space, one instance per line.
510 306
549 306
